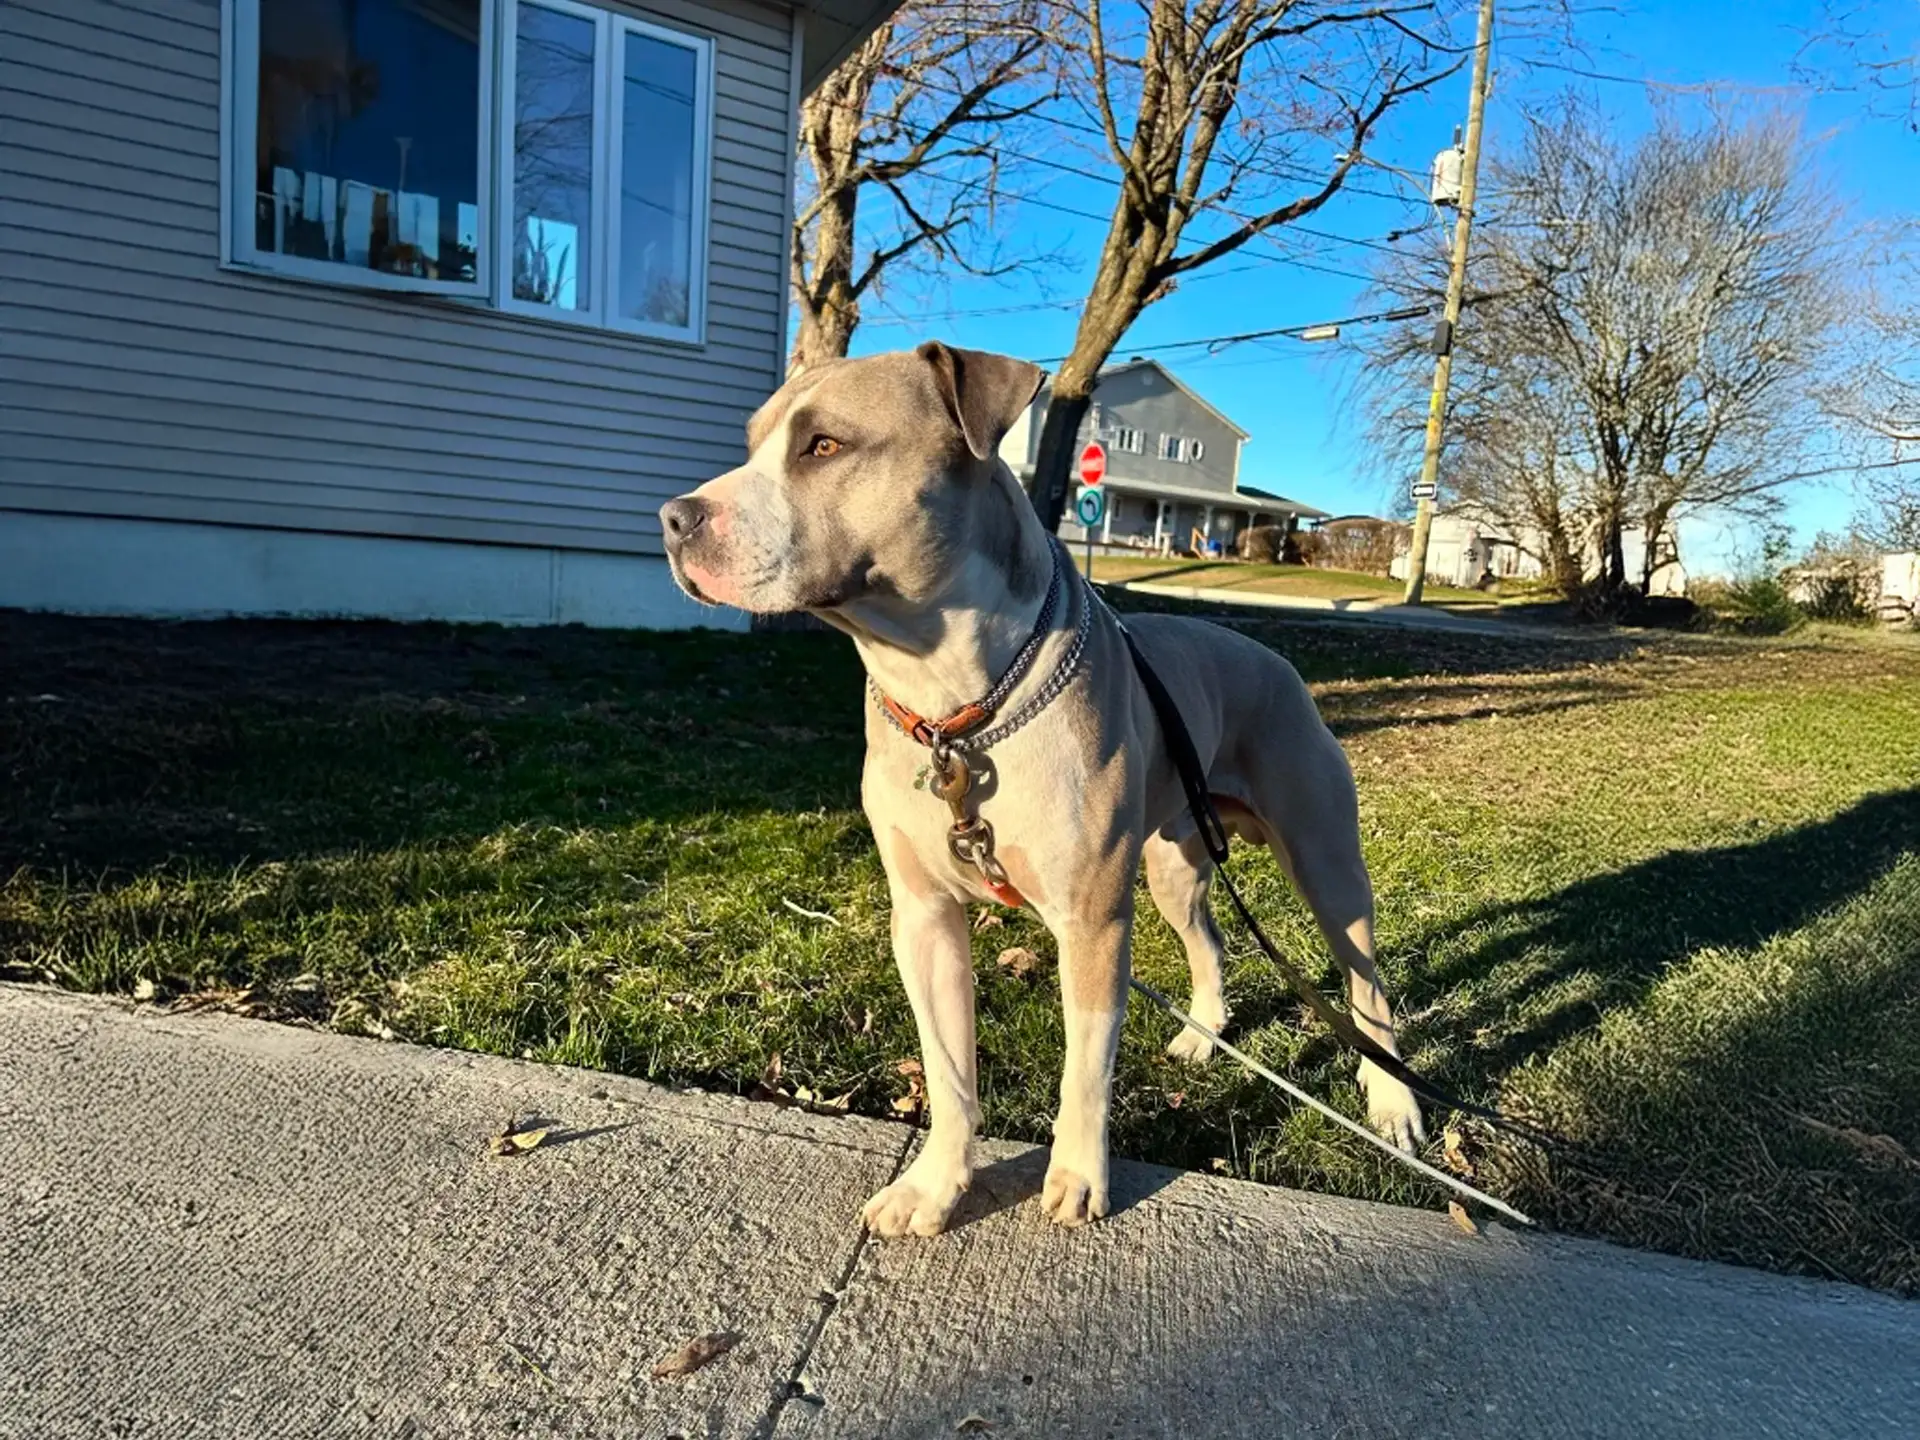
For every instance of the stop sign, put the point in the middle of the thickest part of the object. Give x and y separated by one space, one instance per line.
1093 464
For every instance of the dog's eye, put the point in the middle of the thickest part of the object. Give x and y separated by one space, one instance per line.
823 447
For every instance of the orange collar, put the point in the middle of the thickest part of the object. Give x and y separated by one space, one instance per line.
965 720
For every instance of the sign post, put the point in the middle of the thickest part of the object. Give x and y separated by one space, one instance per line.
1091 504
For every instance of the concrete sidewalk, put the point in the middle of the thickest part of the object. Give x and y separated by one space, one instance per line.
218 1227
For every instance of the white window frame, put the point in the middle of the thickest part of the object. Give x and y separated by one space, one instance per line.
1196 451
1127 439
492 286
239 134
694 331
602 21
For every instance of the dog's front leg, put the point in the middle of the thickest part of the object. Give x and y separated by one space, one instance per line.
1094 959
930 945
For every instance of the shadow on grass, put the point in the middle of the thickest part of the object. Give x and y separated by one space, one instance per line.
1621 931
132 744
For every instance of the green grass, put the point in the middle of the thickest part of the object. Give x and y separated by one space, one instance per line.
1662 893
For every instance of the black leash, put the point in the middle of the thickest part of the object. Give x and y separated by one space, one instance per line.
1213 834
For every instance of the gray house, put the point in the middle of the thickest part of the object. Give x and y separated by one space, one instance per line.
406 308
1173 464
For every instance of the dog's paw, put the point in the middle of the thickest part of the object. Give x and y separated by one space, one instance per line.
1070 1198
912 1205
1190 1047
1391 1107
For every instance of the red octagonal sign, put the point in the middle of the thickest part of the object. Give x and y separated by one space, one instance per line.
1093 464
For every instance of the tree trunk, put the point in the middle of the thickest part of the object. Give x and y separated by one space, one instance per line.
1071 392
1613 564
829 309
1059 448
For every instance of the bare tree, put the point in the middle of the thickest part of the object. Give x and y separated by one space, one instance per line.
1648 322
1226 121
1876 395
915 116
1870 48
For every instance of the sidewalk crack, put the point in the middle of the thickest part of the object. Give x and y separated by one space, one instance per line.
824 1309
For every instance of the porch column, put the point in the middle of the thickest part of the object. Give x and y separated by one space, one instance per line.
1106 519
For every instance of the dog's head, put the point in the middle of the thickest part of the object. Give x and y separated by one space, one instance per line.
862 477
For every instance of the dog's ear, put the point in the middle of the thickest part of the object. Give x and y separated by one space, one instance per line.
984 393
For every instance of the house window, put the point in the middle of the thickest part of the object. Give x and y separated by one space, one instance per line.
545 156
1196 452
1127 439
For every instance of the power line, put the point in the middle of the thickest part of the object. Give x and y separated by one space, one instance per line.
1108 219
1300 175
1677 86
1215 343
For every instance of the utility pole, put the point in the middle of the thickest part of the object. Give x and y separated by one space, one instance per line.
1443 337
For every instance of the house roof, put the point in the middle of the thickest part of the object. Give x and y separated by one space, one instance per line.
1246 497
1305 512
1178 384
834 30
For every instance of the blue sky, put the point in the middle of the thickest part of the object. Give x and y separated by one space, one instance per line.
1307 441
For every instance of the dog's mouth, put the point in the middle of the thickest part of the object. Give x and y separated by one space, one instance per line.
686 582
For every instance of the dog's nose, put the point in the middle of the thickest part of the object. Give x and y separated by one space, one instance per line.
681 518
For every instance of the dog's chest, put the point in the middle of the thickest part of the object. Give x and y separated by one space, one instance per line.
1018 823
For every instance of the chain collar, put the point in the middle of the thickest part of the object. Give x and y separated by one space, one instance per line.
961 730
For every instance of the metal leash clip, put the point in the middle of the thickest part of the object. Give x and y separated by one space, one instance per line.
971 837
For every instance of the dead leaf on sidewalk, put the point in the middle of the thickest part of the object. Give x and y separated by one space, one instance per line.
701 1351
1461 1218
515 1141
819 1103
1018 961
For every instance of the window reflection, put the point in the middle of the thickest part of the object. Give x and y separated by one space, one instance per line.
553 159
369 116
656 184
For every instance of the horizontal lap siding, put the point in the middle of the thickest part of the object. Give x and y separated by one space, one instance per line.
139 379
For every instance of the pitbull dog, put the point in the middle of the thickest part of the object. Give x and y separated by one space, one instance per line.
874 497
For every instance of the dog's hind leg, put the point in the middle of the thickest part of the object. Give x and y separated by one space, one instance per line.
1180 879
1315 831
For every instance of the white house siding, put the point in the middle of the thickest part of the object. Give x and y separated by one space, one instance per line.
140 381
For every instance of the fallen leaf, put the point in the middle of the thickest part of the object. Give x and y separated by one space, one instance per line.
1176 1099
1019 961
973 1425
820 1103
511 1141
1455 1153
916 1096
1461 1218
701 1351
768 1089
987 920
143 989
